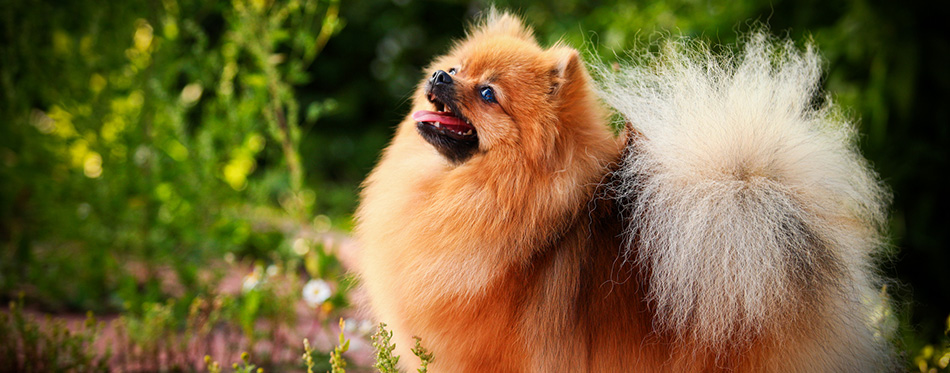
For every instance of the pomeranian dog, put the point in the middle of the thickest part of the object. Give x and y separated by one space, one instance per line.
731 226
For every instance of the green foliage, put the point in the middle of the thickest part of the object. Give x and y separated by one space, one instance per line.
271 298
29 346
935 358
319 263
149 151
211 365
423 354
244 366
152 331
386 362
308 355
337 362
259 315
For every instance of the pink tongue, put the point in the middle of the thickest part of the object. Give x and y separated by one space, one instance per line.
437 116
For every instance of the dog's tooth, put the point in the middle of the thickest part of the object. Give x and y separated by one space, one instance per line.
469 132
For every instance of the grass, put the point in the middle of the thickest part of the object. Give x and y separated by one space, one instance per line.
28 345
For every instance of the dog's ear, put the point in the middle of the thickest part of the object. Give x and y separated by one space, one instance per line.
567 73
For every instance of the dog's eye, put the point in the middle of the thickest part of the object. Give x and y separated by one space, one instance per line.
452 71
488 94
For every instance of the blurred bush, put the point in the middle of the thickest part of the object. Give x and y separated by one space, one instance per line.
145 136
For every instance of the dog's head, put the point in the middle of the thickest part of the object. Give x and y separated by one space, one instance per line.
498 90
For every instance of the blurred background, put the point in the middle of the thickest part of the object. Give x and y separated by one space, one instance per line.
187 170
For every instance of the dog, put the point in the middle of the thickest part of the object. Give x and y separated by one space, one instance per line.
730 226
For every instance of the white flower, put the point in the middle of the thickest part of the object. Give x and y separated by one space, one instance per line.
315 292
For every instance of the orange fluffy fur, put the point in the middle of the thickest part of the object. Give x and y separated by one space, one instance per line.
513 260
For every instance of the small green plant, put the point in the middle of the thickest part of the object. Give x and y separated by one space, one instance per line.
337 363
424 355
211 365
386 362
244 366
308 355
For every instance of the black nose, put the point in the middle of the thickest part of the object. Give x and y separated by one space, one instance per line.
440 77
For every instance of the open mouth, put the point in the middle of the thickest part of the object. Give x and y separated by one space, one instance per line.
446 120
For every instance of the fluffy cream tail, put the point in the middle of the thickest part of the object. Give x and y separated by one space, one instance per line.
748 203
